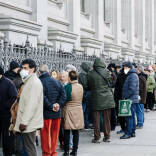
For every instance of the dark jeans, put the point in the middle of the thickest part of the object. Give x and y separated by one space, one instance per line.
7 138
140 114
75 139
106 114
19 145
130 120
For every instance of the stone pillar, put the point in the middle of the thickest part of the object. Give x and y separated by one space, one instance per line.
117 21
99 19
152 25
74 19
39 15
142 33
131 23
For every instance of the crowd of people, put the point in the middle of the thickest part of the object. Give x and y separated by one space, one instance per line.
60 104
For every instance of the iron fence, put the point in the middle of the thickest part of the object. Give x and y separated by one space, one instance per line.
44 55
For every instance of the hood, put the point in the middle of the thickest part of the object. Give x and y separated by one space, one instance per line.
11 75
99 63
133 70
86 66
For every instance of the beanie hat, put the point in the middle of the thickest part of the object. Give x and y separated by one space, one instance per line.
128 64
70 67
1 71
141 68
14 65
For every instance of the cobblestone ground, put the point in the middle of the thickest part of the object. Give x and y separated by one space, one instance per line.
143 145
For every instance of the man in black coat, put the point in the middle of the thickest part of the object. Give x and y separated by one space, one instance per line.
54 98
8 95
118 96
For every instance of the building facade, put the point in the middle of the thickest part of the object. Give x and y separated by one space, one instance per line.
120 29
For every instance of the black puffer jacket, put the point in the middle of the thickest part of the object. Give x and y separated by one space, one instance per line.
53 93
8 95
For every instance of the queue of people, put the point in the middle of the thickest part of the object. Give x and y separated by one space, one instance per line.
59 105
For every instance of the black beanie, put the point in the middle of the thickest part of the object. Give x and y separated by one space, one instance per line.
128 64
14 65
1 71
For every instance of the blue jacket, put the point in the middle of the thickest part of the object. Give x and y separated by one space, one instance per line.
131 86
8 95
53 93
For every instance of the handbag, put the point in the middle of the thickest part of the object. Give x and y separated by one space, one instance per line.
125 108
14 110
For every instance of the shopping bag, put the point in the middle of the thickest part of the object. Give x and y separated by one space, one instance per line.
125 108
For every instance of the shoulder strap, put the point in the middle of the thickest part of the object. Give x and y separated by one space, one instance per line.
103 78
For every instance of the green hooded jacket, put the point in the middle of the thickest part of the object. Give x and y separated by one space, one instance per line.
85 66
101 94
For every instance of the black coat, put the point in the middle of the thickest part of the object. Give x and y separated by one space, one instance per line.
53 93
118 86
8 95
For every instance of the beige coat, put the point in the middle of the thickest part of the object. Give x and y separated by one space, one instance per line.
72 113
30 109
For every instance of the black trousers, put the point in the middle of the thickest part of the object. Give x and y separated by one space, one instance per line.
75 139
149 101
61 134
113 118
6 137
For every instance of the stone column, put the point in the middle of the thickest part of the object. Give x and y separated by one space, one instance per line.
99 19
152 25
39 15
131 23
142 31
117 21
74 19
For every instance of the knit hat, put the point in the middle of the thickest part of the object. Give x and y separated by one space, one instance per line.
141 68
1 71
70 67
14 65
127 64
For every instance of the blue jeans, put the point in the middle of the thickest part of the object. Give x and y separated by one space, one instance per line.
71 140
130 121
140 114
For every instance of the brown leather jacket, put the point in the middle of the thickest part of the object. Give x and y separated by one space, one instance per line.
142 89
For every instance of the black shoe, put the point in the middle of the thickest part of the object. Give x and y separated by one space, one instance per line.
125 136
73 153
133 135
66 153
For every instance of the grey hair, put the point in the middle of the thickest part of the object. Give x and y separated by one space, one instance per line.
44 68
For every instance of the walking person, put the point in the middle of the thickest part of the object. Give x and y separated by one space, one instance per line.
54 98
72 113
130 91
30 109
8 95
142 94
101 99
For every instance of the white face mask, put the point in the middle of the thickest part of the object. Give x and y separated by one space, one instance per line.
24 74
126 71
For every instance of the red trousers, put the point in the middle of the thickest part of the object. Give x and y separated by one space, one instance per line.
49 137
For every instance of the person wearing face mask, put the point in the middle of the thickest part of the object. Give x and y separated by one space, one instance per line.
130 91
30 109
8 95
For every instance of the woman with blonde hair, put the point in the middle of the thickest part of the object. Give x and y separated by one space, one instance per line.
55 74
